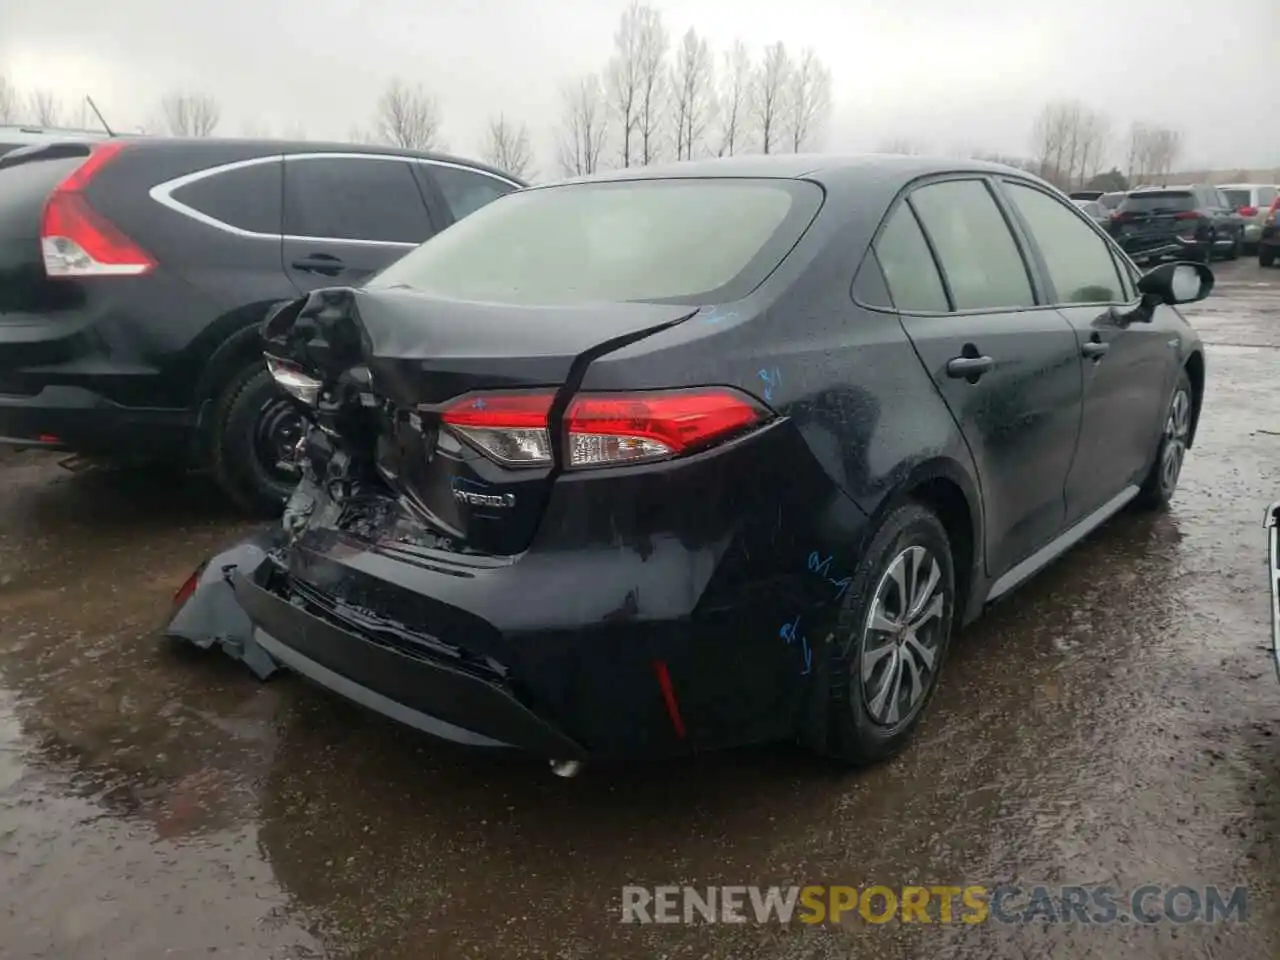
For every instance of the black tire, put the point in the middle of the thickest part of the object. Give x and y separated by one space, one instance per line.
1266 256
243 468
842 721
1162 480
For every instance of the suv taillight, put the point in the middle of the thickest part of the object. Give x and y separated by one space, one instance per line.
603 429
1248 211
78 241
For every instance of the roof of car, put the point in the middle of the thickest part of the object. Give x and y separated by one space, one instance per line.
833 168
266 147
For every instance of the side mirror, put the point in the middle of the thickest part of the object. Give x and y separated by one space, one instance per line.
1174 283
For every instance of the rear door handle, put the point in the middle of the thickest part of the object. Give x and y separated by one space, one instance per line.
1094 349
320 263
968 368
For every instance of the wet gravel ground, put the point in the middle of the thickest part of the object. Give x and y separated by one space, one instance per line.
1117 721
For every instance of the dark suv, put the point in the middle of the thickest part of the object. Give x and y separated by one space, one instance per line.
134 274
1193 222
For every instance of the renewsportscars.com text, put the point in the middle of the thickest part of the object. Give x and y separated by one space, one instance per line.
935 903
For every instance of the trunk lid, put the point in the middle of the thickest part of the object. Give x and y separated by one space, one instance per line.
421 354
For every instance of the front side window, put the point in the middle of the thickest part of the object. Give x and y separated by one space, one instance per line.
909 268
977 251
676 240
1079 261
349 198
466 191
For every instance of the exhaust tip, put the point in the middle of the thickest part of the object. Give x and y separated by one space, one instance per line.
566 768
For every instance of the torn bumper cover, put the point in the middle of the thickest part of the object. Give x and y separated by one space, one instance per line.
238 606
1272 523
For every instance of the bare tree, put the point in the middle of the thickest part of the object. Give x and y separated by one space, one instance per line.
1152 152
770 90
693 86
408 117
652 76
735 98
1071 142
190 114
808 99
507 146
358 134
624 75
585 126
255 130
8 100
44 108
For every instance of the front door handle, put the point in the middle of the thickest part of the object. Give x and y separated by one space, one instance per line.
968 368
1094 349
324 263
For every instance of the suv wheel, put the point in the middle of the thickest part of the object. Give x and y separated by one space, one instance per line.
1162 480
255 431
875 675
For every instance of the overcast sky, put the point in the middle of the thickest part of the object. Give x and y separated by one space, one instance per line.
947 73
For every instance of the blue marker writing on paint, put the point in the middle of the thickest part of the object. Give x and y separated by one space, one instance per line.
715 316
479 404
772 378
789 630
808 659
822 566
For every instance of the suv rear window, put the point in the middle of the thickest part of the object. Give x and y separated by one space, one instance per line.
248 197
681 241
1238 198
1151 201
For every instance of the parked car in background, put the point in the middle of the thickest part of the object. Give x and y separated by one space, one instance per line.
134 274
727 462
1252 201
1095 211
1196 222
1085 194
1110 201
1269 239
14 137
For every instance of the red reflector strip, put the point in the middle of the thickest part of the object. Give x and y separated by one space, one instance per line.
669 696
188 587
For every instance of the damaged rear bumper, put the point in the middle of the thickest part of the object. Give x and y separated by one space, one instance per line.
235 608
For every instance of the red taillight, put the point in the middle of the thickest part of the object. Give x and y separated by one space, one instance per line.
1187 215
76 240
602 429
1248 211
617 428
188 587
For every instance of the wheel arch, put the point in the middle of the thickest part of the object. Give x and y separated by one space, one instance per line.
1195 373
240 341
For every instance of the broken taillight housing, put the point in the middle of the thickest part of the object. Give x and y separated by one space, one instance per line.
603 429
78 241
294 381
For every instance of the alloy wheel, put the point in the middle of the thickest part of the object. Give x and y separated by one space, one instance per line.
902 638
1177 430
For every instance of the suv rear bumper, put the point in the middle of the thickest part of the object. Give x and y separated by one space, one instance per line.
79 420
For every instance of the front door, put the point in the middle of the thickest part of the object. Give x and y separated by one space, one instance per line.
346 217
1008 369
1128 366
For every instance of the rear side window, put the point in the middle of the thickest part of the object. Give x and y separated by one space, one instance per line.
343 198
978 253
909 270
1266 196
248 198
1079 261
673 240
466 191
1159 201
1238 198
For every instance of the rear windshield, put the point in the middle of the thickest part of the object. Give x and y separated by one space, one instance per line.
1238 198
1152 201
658 240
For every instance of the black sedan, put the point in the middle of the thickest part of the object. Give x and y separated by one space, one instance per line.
677 458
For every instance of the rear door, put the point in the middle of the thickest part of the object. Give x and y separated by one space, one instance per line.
1008 369
346 216
1127 367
